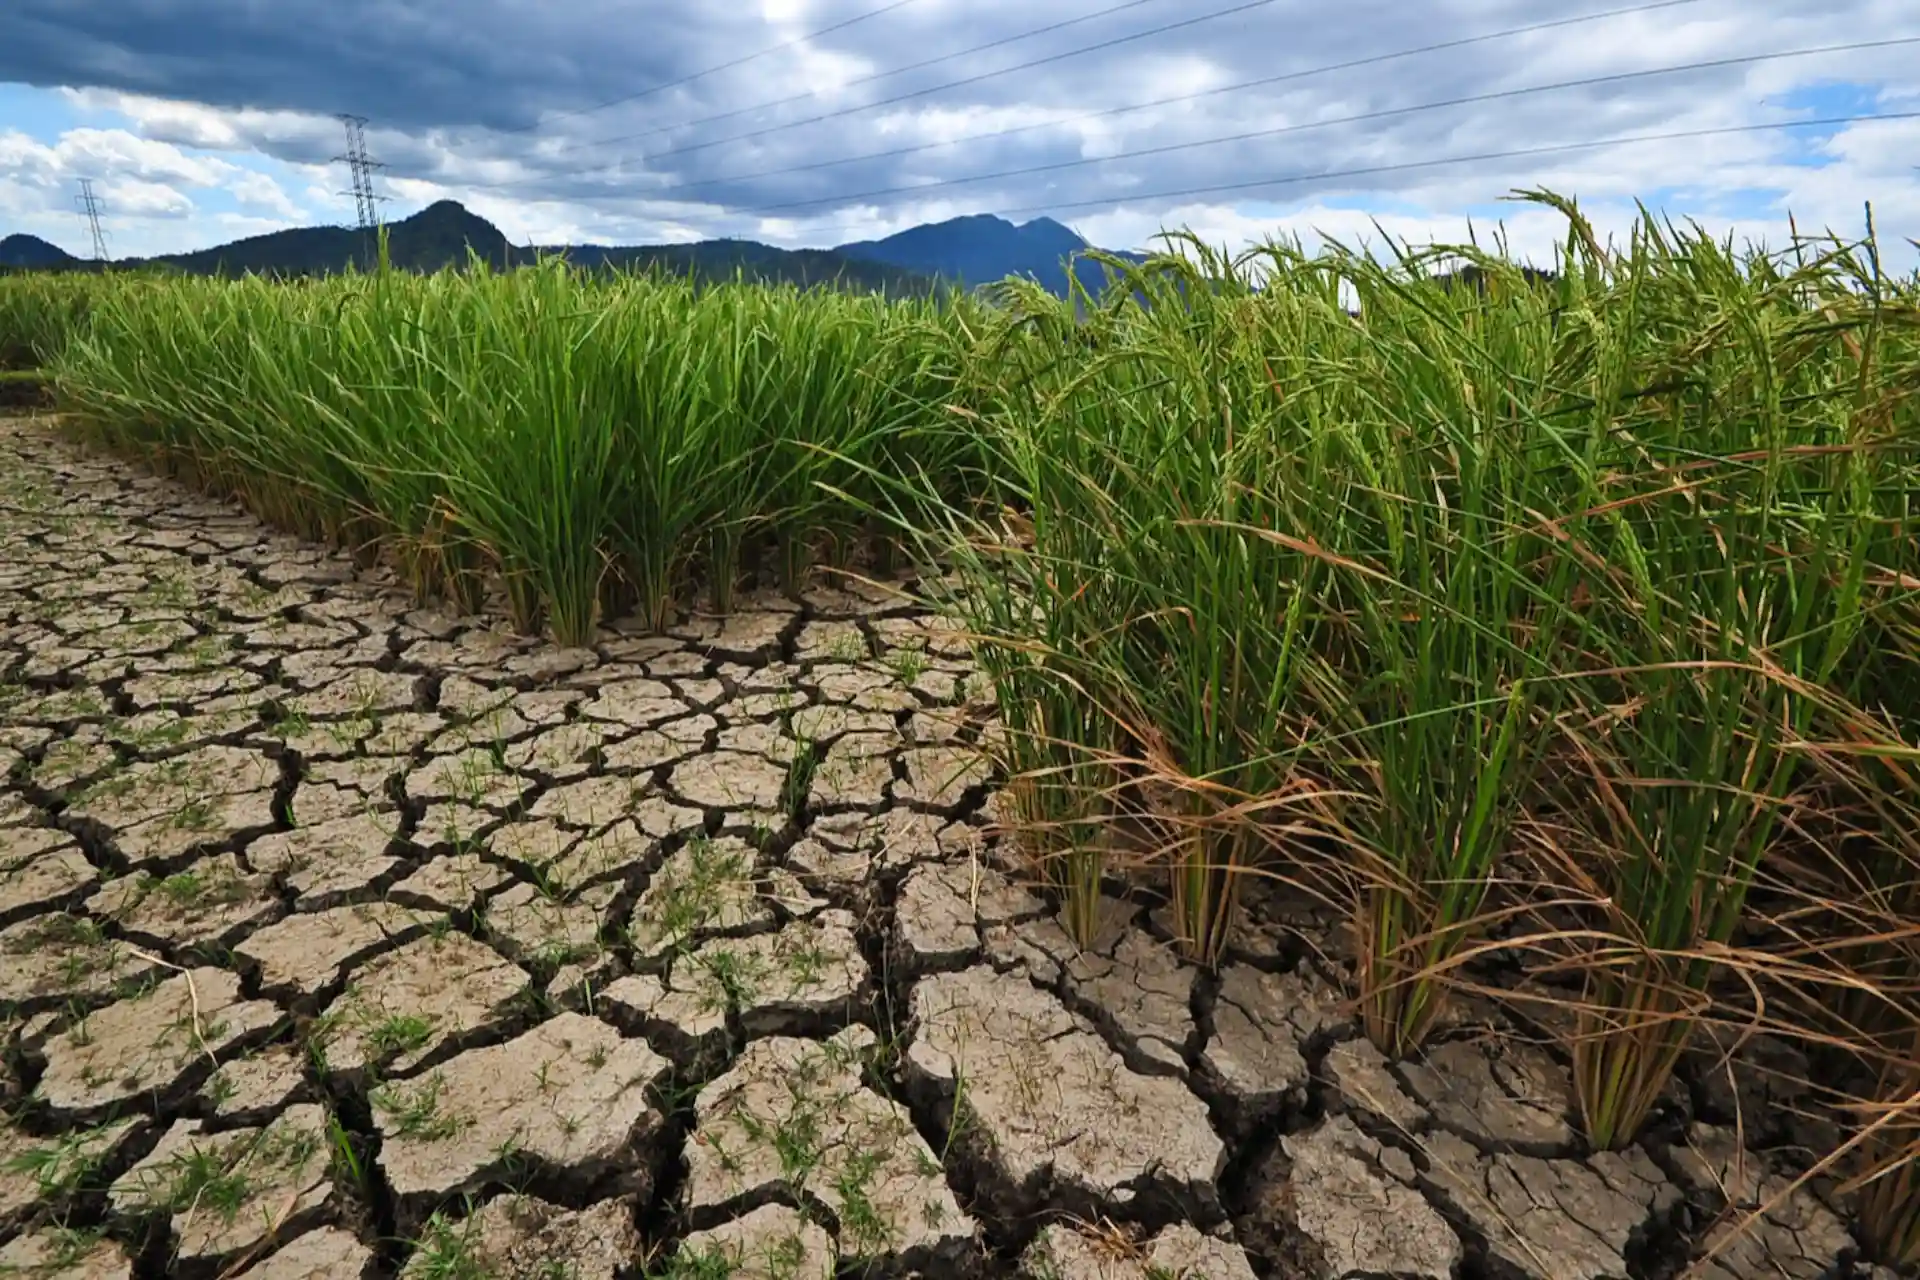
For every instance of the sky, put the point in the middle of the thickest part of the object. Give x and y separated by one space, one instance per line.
816 122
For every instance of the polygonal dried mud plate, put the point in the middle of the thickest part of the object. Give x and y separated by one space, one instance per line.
687 1022
1144 993
1066 1253
543 928
1501 1095
591 804
942 906
212 902
1049 1108
326 1254
307 952
360 691
160 809
150 1042
705 887
328 860
1553 1219
56 1253
523 1235
938 778
856 772
1262 1025
1795 1236
617 852
473 777
35 1172
800 978
571 1095
256 1085
452 882
55 959
638 703
1344 1205
230 1192
794 1118
39 866
399 1008
772 1242
562 752
751 790
1366 1083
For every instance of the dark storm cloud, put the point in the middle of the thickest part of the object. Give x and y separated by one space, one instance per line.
414 66
469 96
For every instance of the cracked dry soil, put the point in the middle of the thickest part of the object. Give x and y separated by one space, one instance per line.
345 938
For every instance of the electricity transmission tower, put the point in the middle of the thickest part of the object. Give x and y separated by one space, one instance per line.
366 204
90 210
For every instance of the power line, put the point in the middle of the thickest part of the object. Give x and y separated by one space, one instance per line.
1417 108
1517 153
90 210
1324 69
843 112
1584 82
714 70
1051 27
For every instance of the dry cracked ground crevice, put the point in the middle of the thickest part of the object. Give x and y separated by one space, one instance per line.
344 937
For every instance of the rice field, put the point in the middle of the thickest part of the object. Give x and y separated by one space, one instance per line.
1563 636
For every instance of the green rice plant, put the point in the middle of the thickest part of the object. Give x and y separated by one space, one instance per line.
1052 745
1142 451
1061 782
1737 529
581 442
1225 499
39 313
526 435
1454 622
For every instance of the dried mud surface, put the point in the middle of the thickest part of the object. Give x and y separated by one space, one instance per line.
341 937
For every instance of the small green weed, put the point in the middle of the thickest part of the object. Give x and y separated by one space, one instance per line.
414 1110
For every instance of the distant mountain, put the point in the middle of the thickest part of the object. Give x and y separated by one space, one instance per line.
31 251
981 248
442 234
437 236
963 252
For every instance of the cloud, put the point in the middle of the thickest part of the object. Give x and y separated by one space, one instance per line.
259 191
135 198
494 107
155 196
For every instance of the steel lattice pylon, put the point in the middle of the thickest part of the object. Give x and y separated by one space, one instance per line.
90 210
366 203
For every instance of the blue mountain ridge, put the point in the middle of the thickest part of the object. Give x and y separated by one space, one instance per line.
980 248
968 252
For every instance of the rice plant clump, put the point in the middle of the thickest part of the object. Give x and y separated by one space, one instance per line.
586 447
1515 617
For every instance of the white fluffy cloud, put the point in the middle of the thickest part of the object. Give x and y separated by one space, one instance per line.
258 191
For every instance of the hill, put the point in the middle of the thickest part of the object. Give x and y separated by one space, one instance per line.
981 248
442 234
962 252
439 235
31 251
